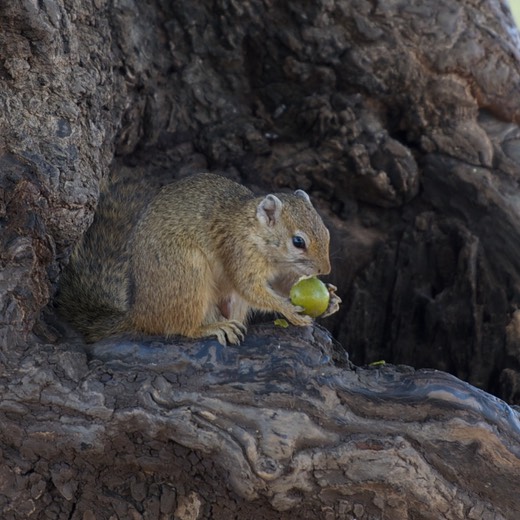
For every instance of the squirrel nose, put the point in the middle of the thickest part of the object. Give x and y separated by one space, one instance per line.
324 268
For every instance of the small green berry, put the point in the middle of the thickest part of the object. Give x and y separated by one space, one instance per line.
311 294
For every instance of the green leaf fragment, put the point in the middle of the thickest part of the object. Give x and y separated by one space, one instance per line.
280 322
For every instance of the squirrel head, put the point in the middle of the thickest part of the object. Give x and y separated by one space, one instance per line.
292 234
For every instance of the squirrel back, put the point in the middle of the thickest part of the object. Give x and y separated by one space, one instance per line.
193 261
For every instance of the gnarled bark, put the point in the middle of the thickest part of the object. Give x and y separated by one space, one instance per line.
271 429
401 121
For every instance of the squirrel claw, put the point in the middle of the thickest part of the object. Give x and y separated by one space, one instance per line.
227 332
233 331
334 301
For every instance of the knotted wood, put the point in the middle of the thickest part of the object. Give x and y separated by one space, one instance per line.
275 428
401 122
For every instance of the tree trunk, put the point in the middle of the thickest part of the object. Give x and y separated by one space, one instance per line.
401 121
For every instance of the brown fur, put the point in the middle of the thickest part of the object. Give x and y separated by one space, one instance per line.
202 254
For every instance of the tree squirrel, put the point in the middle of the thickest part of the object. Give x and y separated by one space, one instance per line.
202 254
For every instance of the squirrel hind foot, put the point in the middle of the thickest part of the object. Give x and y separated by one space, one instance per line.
227 332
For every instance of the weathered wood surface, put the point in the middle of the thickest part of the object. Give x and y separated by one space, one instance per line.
401 120
270 429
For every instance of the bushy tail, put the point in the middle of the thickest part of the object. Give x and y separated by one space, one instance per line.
87 308
95 286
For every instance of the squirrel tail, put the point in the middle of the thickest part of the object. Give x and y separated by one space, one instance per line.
88 311
95 286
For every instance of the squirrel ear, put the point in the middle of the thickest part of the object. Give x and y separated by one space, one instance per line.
269 209
303 195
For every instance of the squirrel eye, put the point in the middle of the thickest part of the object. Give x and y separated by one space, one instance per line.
298 242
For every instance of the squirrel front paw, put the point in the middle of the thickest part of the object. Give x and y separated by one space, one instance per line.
293 314
334 301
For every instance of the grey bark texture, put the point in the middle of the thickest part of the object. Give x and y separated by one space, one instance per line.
401 121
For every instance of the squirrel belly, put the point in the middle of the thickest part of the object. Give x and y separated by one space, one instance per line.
194 261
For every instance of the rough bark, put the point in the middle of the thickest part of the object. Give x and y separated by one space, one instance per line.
270 429
401 121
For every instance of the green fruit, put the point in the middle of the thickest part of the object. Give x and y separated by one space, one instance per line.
311 294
